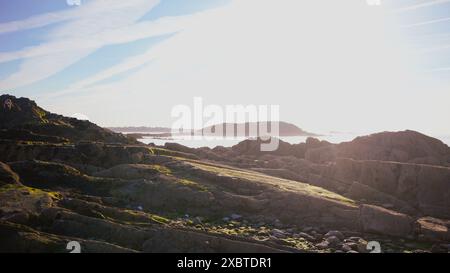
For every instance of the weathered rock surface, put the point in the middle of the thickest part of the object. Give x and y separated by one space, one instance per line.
408 187
383 221
7 176
24 114
433 229
22 239
405 146
66 180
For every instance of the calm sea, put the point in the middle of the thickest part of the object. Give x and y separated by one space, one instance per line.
199 141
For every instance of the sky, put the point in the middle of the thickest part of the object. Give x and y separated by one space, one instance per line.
348 66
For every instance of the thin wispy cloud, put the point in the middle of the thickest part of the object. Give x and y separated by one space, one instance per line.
440 69
91 26
120 35
429 22
337 55
426 4
87 10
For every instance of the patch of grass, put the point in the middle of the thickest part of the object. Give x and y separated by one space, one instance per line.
159 219
192 184
29 190
161 169
139 216
10 187
297 243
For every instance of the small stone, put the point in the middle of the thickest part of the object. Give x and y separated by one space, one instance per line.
305 236
351 245
323 245
278 233
333 240
354 239
226 219
262 232
335 233
140 208
346 247
352 251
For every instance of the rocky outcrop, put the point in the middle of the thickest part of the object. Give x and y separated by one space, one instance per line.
406 186
26 135
24 114
80 154
405 146
175 241
99 228
253 147
18 238
7 176
23 205
63 180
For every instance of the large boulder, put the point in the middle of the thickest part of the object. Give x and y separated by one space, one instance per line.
432 229
409 187
252 147
433 191
404 146
383 221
